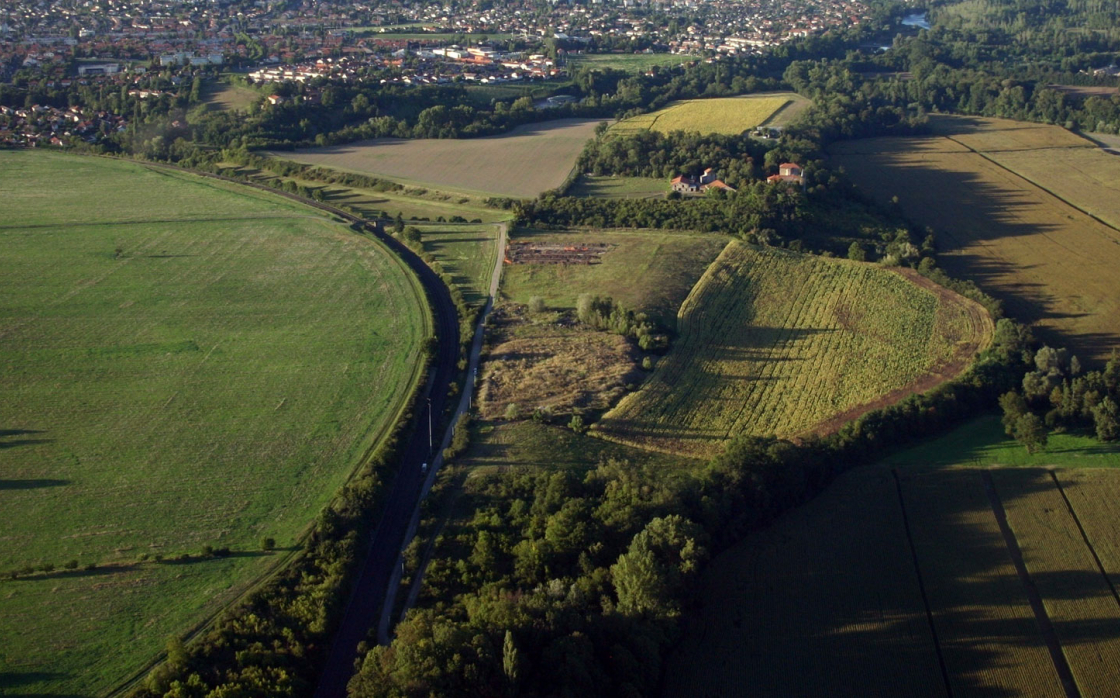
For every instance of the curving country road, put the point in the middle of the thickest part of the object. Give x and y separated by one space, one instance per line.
378 579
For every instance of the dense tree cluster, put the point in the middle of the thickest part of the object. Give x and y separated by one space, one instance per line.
1058 394
755 208
607 314
737 160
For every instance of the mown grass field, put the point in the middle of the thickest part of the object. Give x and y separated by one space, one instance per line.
225 97
620 187
1033 220
523 163
647 271
774 342
467 253
726 115
827 601
185 363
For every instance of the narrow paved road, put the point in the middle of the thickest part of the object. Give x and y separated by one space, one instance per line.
377 582
383 627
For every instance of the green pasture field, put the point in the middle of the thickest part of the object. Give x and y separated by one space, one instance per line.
775 342
223 96
726 115
1030 203
186 363
648 271
467 253
631 62
983 443
620 187
522 163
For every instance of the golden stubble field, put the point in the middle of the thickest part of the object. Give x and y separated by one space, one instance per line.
727 115
775 342
522 163
1030 212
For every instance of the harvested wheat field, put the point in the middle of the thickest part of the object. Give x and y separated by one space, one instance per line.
726 115
522 163
775 342
1030 212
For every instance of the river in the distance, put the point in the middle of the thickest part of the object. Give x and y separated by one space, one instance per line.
917 19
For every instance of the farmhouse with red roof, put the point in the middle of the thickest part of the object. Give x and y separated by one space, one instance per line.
686 184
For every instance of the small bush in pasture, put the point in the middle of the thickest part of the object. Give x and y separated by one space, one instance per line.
576 424
71 564
512 411
647 363
268 543
536 305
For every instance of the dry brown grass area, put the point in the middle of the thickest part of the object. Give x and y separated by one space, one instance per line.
552 364
1026 224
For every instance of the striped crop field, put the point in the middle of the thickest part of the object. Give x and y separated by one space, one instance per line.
988 634
726 115
1078 598
824 603
1034 220
183 363
775 342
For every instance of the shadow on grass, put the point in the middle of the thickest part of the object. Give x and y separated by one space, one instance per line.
31 484
10 680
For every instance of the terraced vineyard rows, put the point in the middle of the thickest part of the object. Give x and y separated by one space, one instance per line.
773 342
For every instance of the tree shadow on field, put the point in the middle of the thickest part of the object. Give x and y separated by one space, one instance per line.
12 681
31 484
7 442
898 583
1043 258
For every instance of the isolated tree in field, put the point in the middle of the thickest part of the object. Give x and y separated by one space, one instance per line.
1106 419
536 304
268 544
512 411
1014 406
576 424
856 253
1031 432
